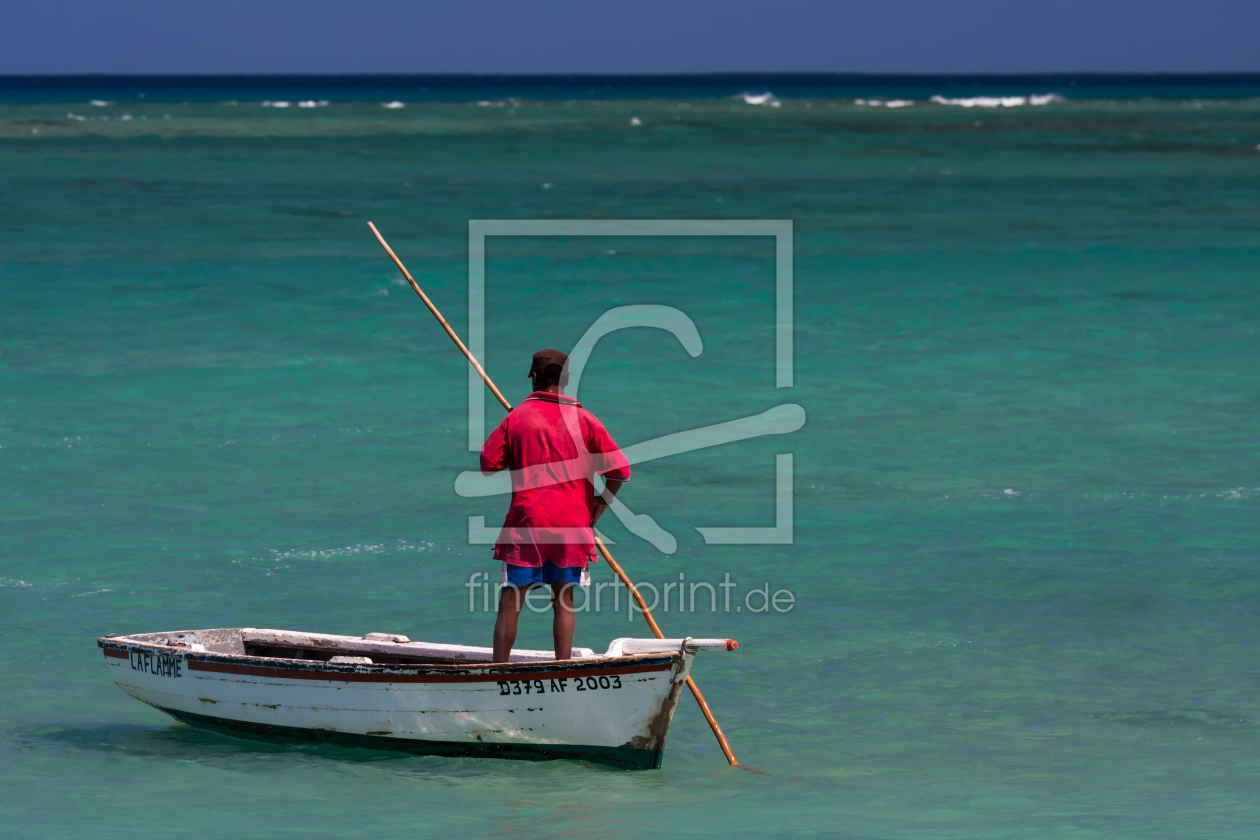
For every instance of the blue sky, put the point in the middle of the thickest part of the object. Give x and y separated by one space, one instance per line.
634 36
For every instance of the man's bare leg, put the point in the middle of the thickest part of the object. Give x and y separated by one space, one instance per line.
511 599
564 620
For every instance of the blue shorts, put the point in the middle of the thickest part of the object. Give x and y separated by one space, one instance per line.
546 574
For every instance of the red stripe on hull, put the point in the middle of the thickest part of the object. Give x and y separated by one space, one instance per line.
336 676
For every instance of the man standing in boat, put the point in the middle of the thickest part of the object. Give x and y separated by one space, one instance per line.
553 448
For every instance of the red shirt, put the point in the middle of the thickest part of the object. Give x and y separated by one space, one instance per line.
553 447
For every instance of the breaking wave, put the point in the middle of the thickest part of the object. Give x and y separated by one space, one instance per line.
766 99
999 101
348 551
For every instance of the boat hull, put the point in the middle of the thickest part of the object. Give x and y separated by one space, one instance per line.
611 711
623 758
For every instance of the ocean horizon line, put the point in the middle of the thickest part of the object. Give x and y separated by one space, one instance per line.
19 88
786 75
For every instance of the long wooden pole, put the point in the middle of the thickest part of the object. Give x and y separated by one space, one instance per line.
599 544
647 614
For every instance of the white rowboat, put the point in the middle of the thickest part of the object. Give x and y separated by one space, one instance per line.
385 691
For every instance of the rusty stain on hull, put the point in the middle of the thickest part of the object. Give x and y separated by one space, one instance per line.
653 735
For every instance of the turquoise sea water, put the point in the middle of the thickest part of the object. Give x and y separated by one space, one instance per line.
1027 497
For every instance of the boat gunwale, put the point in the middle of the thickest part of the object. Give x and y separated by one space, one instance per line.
487 672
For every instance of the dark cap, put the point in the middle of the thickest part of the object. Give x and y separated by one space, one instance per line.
549 364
